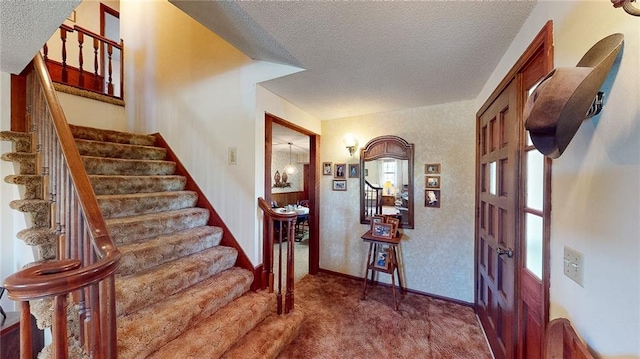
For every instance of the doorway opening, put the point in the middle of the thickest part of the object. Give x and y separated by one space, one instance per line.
291 177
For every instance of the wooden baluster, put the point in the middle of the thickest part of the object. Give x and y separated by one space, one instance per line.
279 293
59 328
45 51
121 69
63 37
109 55
288 303
25 331
96 77
80 59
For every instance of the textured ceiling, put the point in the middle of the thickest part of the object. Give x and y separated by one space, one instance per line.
366 57
25 26
282 136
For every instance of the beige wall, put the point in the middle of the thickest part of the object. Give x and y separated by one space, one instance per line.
595 189
438 253
201 94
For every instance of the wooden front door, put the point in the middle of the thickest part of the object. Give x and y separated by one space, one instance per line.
496 226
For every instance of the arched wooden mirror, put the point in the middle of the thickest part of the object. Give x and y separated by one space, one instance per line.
386 179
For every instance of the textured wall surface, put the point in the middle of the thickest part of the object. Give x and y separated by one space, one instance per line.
438 253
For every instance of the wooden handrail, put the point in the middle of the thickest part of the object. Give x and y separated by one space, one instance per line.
87 257
96 36
288 218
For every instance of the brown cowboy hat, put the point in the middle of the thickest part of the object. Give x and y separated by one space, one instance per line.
556 108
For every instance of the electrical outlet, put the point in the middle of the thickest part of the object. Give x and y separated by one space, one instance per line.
574 265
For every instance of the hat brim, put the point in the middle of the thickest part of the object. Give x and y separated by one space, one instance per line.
555 110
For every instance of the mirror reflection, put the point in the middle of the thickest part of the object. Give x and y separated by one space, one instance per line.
387 179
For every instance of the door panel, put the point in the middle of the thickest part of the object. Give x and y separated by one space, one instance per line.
496 228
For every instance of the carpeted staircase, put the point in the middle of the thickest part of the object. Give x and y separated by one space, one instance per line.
178 294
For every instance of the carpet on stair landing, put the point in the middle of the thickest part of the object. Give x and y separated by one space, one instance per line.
339 324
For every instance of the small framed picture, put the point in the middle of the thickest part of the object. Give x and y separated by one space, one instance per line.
354 170
339 185
432 182
395 222
432 169
326 168
377 218
432 198
340 170
382 230
382 258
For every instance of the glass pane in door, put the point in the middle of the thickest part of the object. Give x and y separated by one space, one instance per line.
533 241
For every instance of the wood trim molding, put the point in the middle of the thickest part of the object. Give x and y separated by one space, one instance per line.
544 39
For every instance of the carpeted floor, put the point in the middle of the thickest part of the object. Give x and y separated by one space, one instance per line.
339 324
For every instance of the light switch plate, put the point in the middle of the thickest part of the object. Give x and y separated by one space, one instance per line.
574 265
233 156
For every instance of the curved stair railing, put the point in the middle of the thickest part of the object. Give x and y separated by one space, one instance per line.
83 273
285 223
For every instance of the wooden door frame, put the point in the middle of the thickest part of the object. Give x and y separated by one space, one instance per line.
314 182
536 59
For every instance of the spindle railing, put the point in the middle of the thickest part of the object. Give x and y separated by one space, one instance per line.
83 273
373 200
73 71
285 222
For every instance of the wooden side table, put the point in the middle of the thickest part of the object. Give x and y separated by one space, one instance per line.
389 266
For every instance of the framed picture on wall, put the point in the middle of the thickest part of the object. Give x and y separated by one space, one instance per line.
432 182
432 168
354 170
326 168
339 185
340 170
432 198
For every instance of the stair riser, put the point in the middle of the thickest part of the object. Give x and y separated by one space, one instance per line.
171 278
21 140
27 161
142 256
110 166
32 185
39 210
216 334
95 134
117 150
129 231
104 185
150 328
118 207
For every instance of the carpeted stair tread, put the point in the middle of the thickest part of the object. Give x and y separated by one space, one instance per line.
132 229
217 333
31 183
38 208
159 282
120 166
145 331
109 184
125 205
269 338
151 252
27 161
21 140
119 150
38 236
89 133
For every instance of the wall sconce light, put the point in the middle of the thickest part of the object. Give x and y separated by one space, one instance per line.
351 143
626 5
